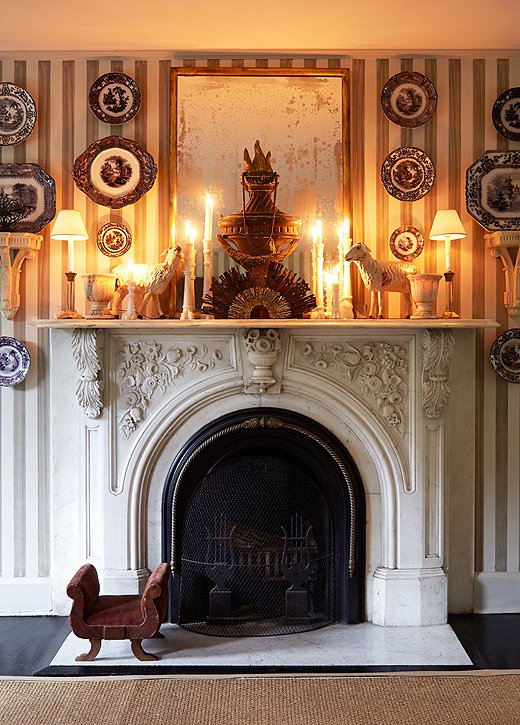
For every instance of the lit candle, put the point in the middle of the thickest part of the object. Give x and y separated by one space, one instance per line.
335 293
208 218
130 265
318 246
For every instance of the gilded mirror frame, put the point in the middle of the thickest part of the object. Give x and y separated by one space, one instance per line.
341 73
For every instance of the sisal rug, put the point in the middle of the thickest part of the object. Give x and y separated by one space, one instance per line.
482 698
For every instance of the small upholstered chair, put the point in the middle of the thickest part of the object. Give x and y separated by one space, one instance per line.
117 616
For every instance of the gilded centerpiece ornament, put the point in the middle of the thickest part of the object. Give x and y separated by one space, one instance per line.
259 237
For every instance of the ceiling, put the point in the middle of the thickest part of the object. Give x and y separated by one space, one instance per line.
272 26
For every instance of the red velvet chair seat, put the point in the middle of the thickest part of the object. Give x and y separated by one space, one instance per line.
117 616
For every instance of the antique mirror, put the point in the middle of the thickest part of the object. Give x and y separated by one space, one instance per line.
300 115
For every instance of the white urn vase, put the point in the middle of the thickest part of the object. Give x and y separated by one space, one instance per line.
424 289
99 290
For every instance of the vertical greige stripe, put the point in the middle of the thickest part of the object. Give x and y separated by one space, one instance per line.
454 164
43 404
501 482
163 163
357 165
92 132
502 85
67 160
478 251
20 78
1 149
381 153
139 245
430 202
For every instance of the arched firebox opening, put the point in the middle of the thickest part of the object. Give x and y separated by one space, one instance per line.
264 525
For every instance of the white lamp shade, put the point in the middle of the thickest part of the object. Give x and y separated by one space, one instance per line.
69 225
447 223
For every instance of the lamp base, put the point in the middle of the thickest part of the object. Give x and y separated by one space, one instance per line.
450 315
68 315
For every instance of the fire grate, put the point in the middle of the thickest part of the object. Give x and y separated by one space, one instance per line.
256 550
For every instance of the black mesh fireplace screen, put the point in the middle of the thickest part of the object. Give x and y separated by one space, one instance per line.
264 526
256 553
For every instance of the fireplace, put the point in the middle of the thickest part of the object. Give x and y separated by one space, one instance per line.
264 525
159 408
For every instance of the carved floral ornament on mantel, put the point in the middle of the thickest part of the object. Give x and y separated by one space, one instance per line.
145 368
379 370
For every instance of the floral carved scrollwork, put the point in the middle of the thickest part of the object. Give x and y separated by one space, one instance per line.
145 368
438 347
379 370
263 348
86 347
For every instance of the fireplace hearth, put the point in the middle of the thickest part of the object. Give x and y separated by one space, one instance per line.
263 522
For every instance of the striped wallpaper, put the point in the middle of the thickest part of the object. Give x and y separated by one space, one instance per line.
457 134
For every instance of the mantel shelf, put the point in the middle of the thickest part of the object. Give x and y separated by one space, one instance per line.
180 325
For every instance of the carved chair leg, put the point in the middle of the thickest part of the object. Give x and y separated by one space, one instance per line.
95 646
140 653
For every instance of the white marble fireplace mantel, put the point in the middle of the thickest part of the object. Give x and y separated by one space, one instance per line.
145 387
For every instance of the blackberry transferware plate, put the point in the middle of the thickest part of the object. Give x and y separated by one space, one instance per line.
406 243
114 98
506 114
493 190
505 355
409 99
14 361
408 173
17 114
114 171
114 239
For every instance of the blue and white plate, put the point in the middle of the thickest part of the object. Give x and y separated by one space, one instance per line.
14 361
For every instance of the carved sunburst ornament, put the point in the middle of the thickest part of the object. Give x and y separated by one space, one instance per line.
279 294
244 303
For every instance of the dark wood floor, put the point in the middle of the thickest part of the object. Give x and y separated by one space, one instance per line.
28 644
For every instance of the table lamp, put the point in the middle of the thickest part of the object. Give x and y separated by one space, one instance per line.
69 226
447 225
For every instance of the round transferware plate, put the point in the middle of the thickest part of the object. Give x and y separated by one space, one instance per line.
406 243
114 98
505 355
506 114
114 239
17 114
114 171
14 361
409 99
408 173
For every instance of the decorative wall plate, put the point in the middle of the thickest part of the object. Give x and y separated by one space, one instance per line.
114 171
14 361
408 173
27 198
17 114
406 243
409 99
506 114
505 355
114 98
114 239
493 190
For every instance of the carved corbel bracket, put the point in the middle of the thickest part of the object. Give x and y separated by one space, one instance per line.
505 245
15 248
87 346
262 348
438 347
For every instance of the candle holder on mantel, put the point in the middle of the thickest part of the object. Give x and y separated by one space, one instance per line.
259 237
